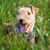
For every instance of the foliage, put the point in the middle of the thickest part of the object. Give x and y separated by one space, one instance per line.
8 12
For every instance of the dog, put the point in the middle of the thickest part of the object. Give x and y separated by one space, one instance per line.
26 22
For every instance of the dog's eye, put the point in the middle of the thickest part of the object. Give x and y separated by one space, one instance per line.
28 13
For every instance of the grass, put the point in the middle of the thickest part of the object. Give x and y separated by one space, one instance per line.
8 12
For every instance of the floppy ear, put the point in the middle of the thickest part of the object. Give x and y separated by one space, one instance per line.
34 9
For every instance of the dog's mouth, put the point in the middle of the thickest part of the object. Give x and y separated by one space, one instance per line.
24 27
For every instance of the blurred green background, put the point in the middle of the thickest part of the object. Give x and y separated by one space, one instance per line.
8 12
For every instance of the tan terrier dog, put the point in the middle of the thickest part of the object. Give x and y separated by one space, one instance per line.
26 21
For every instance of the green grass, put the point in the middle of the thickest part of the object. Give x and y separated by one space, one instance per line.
8 12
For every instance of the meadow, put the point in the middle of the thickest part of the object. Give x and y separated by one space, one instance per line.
8 12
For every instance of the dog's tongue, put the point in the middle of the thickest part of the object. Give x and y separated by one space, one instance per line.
24 28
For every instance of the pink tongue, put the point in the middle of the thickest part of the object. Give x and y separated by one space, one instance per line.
25 27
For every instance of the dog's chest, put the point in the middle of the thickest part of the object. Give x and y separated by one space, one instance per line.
28 36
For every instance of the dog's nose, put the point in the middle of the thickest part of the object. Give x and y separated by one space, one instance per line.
21 20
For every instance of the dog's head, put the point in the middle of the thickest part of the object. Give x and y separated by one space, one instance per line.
26 17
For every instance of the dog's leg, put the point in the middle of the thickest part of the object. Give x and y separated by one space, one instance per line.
31 40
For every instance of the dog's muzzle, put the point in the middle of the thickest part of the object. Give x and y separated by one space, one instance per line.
22 27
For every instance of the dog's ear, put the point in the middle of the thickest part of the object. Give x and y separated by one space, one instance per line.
34 9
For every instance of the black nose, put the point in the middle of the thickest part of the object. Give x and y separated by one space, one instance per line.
21 20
